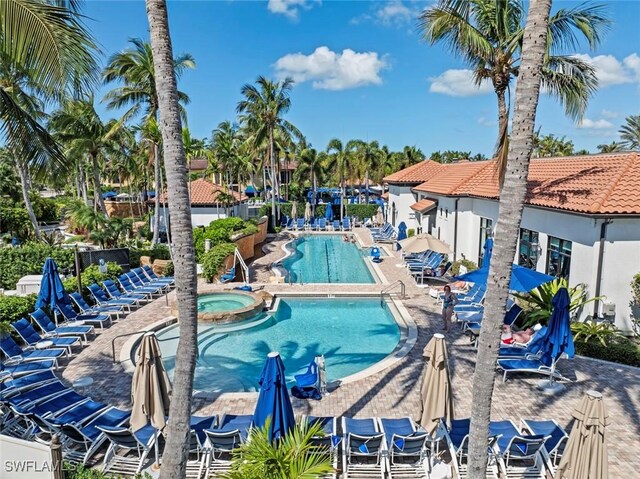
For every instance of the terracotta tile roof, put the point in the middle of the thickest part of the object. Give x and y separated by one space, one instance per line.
417 173
424 205
451 176
203 193
591 184
198 164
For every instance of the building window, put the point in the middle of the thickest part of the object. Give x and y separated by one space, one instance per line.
528 254
558 257
486 231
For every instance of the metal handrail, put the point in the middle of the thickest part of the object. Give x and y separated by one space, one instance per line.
113 342
389 289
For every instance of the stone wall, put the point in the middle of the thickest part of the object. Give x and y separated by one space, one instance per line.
122 209
261 235
245 245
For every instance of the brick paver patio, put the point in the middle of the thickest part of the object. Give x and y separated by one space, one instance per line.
394 391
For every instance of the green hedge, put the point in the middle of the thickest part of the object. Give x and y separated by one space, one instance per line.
14 220
213 260
619 350
45 209
92 275
220 231
470 265
12 308
29 259
159 251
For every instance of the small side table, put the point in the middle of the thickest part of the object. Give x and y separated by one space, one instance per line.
44 344
82 383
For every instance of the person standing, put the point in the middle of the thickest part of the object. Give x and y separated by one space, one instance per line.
449 300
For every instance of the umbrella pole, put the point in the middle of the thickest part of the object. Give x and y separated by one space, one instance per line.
551 386
156 464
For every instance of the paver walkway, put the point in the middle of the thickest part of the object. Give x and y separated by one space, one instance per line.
394 391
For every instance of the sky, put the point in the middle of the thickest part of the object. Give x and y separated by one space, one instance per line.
362 70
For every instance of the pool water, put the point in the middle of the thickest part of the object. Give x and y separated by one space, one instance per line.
326 259
353 334
218 302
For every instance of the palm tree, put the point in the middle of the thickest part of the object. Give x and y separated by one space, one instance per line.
135 70
79 127
340 157
612 147
262 112
368 155
311 165
410 156
550 145
488 34
630 132
45 54
175 456
511 204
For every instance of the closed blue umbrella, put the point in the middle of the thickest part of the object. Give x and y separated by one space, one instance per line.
328 214
488 250
522 279
558 340
51 292
402 231
273 400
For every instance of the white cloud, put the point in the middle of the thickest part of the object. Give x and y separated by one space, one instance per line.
458 83
611 71
609 115
483 121
289 8
394 13
329 70
601 124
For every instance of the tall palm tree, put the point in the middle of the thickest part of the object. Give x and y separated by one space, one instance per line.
534 39
45 54
339 160
368 155
262 111
311 165
550 145
79 127
411 155
175 456
134 69
612 147
151 143
630 132
488 35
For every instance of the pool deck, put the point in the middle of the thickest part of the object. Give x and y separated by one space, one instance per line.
394 391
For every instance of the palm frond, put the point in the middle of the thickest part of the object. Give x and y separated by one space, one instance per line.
572 81
587 18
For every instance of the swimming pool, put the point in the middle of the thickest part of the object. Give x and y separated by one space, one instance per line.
326 259
352 334
217 302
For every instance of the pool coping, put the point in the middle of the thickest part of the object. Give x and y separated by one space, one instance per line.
404 320
375 271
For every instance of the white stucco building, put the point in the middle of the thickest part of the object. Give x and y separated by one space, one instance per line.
581 220
207 204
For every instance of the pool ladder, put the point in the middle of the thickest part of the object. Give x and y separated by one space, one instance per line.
300 282
389 289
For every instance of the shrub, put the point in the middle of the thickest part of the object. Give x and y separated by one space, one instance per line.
213 260
455 267
411 232
92 275
220 231
14 220
635 288
619 350
12 308
78 471
361 211
592 330
29 259
45 209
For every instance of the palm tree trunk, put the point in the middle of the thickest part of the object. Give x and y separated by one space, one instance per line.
366 185
83 184
97 188
503 109
313 193
24 183
342 192
507 229
274 191
156 213
176 449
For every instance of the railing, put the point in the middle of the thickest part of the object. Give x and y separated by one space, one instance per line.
389 289
113 342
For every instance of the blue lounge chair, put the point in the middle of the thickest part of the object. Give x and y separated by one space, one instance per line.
22 369
346 224
230 422
37 394
143 281
33 340
17 385
221 442
457 438
284 221
148 270
122 438
300 224
83 438
322 224
130 287
140 287
556 439
520 454
313 224
13 352
336 225
101 298
329 441
471 320
363 446
198 425
48 327
528 365
407 450
532 348
70 315
84 307
114 293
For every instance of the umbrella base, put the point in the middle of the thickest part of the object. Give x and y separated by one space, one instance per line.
549 386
